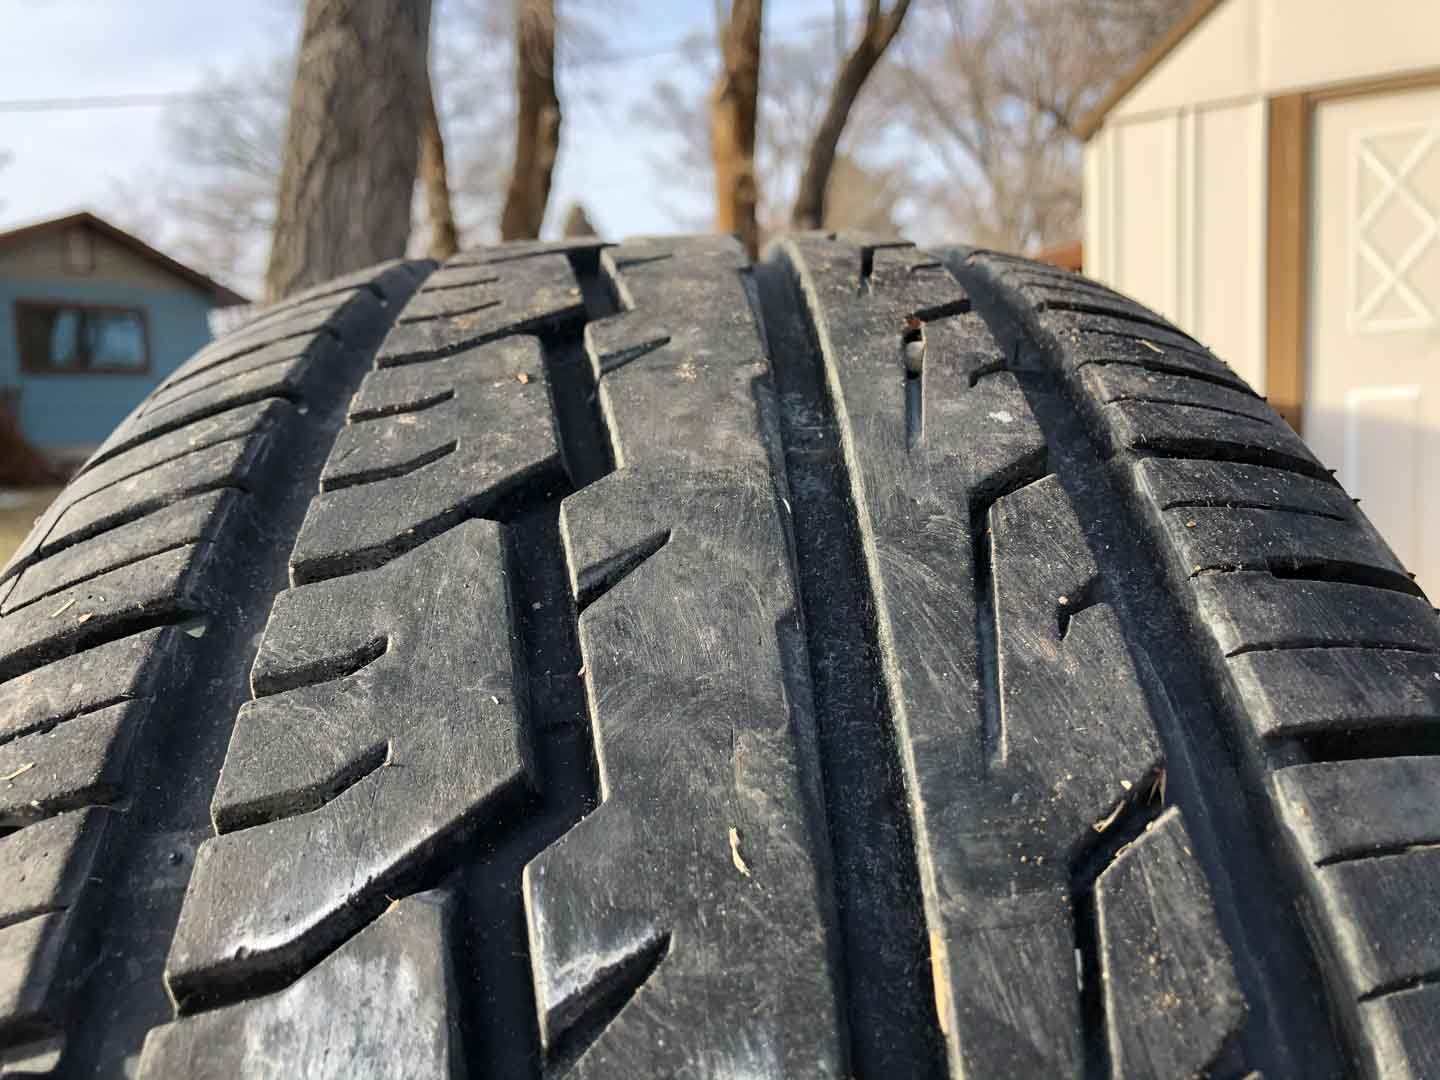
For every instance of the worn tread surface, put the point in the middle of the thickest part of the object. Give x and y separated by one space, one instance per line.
620 661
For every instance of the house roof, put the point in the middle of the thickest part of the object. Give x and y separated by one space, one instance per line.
1193 16
223 296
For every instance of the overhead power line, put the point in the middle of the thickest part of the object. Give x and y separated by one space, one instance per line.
191 97
117 101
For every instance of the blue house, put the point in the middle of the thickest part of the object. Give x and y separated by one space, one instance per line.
91 319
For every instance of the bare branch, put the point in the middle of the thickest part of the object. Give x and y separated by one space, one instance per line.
880 30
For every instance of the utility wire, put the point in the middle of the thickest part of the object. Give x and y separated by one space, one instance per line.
188 97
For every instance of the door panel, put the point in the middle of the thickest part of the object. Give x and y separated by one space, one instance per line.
1372 408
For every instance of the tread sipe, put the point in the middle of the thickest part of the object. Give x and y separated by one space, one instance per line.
623 661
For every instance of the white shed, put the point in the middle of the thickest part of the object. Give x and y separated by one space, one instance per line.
1268 177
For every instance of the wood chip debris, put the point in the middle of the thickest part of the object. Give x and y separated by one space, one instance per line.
1152 346
522 377
23 769
1158 787
1109 819
735 856
64 607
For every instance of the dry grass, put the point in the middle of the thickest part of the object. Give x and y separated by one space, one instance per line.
19 507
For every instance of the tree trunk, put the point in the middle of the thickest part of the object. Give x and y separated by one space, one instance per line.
880 30
348 170
733 105
537 120
444 236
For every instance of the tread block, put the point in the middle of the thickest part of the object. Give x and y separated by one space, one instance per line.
225 451
168 587
282 379
1116 324
1314 691
171 394
1050 627
1350 809
30 955
488 386
709 833
1063 754
1402 1029
1384 914
1125 382
386 759
1089 340
531 296
1101 350
502 435
80 762
191 521
106 675
379 1006
1228 539
237 464
1246 612
660 357
1187 430
1171 996
320 363
1174 483
45 866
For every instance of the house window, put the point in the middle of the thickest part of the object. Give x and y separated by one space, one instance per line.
75 339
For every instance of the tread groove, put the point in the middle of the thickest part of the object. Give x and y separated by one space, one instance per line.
390 472
380 412
613 991
888 1002
1160 367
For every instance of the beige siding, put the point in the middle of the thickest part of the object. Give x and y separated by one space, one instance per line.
1175 179
1227 253
1175 217
1146 178
43 257
1250 48
1219 60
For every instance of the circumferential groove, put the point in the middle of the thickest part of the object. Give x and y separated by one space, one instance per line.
887 996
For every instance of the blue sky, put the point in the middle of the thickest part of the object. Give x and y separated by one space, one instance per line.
68 160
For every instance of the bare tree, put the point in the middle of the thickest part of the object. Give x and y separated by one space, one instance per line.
880 29
733 106
444 235
349 164
537 121
798 76
989 95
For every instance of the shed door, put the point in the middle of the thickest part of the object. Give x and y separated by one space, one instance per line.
1372 407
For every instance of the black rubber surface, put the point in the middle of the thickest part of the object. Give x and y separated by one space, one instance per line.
622 661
